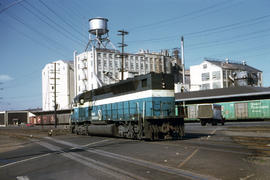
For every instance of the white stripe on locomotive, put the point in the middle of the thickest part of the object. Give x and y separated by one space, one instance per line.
131 96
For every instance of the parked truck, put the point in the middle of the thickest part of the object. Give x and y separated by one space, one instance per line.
209 113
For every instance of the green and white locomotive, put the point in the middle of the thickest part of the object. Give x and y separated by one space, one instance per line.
139 108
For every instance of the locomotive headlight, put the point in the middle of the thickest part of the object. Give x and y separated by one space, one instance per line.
163 85
81 101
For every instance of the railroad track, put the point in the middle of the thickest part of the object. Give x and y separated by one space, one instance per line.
118 173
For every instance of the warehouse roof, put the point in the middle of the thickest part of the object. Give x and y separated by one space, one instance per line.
243 92
234 66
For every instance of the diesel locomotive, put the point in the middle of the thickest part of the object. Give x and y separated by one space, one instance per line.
139 108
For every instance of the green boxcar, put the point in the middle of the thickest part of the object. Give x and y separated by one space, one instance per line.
259 109
253 109
227 109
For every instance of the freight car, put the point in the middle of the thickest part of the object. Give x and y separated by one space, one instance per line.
205 113
236 110
246 110
139 108
47 117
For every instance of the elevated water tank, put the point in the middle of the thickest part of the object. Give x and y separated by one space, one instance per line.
98 26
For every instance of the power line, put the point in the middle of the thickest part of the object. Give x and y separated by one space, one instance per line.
246 50
236 38
215 29
228 26
218 9
71 12
45 37
198 11
40 43
57 27
10 5
56 14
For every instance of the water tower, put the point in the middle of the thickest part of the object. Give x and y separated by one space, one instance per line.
98 33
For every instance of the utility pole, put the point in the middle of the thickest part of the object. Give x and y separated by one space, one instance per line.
183 70
122 45
182 58
1 89
55 104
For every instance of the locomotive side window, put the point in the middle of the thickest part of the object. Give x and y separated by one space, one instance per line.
144 83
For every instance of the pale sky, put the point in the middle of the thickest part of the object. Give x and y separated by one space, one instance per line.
36 32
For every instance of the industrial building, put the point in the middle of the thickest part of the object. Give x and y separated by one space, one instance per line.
101 65
214 74
14 117
59 75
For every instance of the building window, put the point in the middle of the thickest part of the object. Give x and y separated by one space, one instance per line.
205 86
224 74
216 85
116 75
98 62
137 66
205 66
160 68
205 76
110 64
141 66
216 75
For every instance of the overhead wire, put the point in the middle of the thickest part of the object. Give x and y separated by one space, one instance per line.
71 12
237 38
61 18
40 43
231 26
209 31
212 11
58 28
198 11
10 5
247 50
31 28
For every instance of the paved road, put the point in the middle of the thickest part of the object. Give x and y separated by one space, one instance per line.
209 152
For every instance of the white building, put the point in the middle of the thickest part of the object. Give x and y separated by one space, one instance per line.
212 74
98 67
64 76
